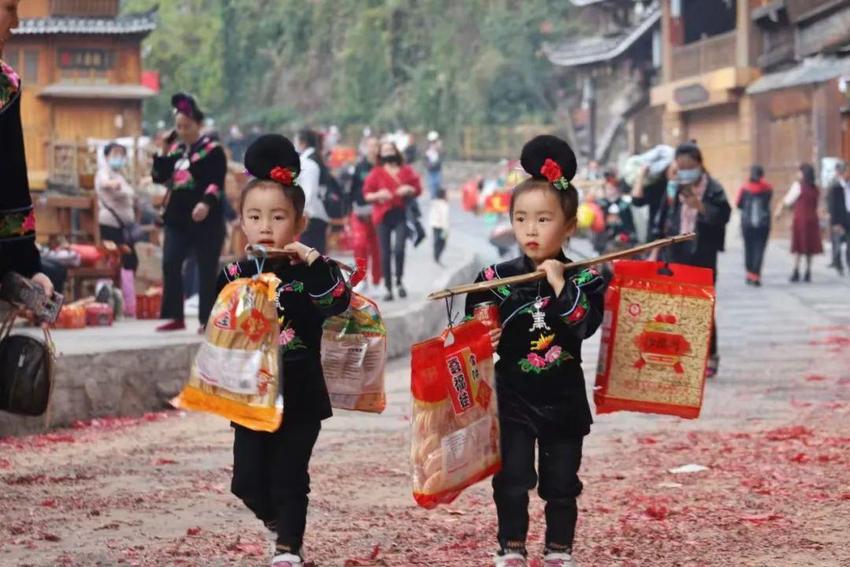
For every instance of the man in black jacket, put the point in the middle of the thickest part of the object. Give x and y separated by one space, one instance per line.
838 202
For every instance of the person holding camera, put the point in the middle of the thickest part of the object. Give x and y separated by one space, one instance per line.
694 202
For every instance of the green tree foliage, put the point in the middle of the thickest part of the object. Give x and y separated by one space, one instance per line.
414 63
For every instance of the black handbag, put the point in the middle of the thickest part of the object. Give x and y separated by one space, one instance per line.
26 371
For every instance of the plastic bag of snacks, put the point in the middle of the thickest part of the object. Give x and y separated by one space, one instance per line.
235 373
455 438
354 355
655 339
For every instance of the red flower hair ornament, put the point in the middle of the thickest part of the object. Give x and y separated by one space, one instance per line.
552 171
282 175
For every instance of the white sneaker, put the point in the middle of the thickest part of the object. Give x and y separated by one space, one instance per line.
511 560
559 559
287 560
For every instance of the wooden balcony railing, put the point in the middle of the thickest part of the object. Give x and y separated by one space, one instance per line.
704 56
84 8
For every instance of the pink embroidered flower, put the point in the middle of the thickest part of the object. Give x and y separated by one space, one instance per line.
489 274
10 73
544 302
339 290
233 270
577 315
182 177
286 336
29 223
212 189
553 354
536 360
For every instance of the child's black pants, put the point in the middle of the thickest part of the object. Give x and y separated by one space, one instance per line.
270 475
559 461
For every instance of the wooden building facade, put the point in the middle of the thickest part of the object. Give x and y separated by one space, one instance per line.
80 64
615 69
756 81
798 102
708 61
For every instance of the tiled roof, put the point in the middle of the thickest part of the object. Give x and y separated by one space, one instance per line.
810 71
124 25
588 50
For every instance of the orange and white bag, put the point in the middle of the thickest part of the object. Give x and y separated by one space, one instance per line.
235 372
455 437
354 357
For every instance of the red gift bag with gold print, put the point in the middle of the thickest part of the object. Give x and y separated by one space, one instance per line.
655 339
455 436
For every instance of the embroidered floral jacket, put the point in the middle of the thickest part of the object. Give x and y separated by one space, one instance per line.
17 221
306 297
539 377
193 174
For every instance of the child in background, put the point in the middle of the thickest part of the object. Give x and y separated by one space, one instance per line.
620 230
539 380
439 220
270 470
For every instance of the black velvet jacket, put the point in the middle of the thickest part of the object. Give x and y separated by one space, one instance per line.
306 297
539 378
17 220
193 174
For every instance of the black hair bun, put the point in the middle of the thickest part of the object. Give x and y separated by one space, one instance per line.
271 151
540 148
185 103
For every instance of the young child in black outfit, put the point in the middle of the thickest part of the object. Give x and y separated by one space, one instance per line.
270 470
540 385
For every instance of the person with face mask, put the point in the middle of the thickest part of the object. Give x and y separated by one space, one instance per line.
694 202
116 214
389 187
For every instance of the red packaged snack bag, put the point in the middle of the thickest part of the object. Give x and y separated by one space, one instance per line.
655 339
455 437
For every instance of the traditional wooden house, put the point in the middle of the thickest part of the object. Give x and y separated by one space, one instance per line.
615 68
709 58
80 63
803 48
756 81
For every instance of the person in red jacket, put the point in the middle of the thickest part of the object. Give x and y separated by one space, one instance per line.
390 186
754 204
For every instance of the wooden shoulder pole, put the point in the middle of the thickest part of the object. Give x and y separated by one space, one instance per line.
534 276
